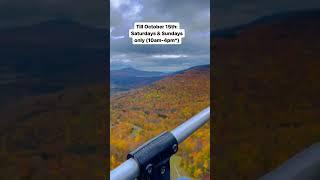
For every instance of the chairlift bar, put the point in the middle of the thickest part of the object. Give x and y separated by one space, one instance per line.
130 169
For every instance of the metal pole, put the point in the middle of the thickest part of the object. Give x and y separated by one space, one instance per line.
129 170
126 171
304 165
187 128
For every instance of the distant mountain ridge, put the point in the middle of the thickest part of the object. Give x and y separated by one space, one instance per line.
130 78
230 32
50 56
205 67
135 73
56 33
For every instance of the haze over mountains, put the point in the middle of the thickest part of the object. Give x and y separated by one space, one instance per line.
127 72
130 78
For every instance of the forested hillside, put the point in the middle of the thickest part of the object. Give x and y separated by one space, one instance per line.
143 113
55 136
266 95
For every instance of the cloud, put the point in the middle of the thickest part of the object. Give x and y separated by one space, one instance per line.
117 3
169 56
195 48
120 59
226 12
115 37
194 17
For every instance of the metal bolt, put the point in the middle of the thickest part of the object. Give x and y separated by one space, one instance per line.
175 148
163 169
149 168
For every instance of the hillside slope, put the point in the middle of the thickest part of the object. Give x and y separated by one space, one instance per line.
266 95
55 136
141 114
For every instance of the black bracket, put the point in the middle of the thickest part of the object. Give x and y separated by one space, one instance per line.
153 157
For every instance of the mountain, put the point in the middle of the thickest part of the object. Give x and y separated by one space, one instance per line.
143 113
131 72
56 33
61 135
199 68
50 56
130 78
302 15
266 95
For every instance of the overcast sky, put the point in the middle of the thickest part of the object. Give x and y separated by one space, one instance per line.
94 12
193 16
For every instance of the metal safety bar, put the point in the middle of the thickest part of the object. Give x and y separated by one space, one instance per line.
303 166
152 158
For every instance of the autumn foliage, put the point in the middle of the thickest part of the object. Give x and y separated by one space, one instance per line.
143 113
266 93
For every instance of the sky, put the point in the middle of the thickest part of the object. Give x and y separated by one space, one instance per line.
94 12
193 16
195 47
